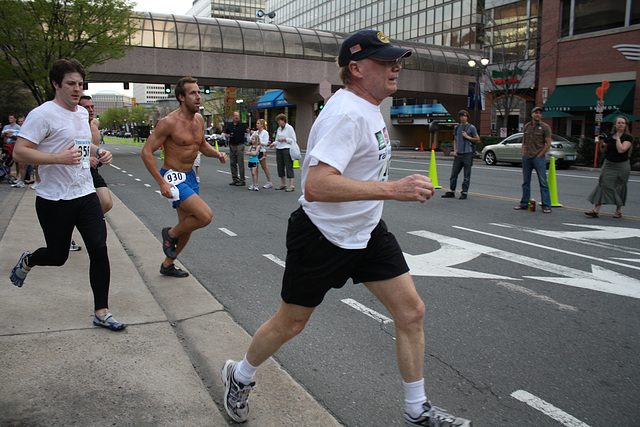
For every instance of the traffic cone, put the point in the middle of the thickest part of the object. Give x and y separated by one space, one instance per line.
433 173
553 185
217 146
421 149
296 164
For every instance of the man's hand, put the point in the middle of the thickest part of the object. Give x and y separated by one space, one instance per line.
105 156
223 157
70 155
413 188
165 190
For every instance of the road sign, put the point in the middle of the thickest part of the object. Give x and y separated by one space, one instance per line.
599 117
600 106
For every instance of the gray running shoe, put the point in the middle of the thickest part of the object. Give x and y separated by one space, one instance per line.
236 395
20 271
435 417
109 322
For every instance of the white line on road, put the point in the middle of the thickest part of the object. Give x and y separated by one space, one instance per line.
138 179
227 232
114 166
550 248
547 409
227 172
275 259
367 311
529 292
129 174
147 185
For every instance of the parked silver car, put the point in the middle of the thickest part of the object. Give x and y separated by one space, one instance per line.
510 150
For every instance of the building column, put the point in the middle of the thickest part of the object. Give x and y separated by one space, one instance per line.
304 98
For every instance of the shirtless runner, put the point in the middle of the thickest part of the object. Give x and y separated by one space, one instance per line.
182 135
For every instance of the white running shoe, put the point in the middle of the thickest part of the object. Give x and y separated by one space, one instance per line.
268 185
236 395
435 417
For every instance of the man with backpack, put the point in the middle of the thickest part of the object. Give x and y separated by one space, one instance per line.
464 146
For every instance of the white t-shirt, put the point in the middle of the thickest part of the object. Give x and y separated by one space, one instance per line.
349 135
264 139
53 128
286 132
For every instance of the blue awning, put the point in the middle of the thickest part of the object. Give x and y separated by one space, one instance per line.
275 98
281 102
268 99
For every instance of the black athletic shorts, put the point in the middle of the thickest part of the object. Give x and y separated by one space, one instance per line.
314 265
98 180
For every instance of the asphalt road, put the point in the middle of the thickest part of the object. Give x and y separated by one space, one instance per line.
532 319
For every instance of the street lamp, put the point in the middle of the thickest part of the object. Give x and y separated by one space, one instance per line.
477 70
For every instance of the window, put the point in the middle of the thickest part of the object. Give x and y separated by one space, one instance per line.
595 15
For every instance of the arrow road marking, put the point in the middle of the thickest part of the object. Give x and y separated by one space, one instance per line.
599 279
547 409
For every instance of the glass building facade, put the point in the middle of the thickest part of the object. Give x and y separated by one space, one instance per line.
454 23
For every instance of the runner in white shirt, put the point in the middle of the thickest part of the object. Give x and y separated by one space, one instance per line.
57 137
337 233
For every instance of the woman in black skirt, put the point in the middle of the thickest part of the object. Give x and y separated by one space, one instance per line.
612 185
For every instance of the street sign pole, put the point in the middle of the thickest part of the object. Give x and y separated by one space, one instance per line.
600 91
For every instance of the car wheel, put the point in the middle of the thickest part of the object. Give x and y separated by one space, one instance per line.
490 158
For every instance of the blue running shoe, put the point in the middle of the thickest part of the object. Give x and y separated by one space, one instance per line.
20 271
109 322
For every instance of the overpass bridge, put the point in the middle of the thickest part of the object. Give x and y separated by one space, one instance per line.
223 52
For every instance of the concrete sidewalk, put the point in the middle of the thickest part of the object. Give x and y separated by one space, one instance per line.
163 370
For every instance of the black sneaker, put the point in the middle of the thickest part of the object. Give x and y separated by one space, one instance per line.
172 271
463 196
236 395
449 195
169 244
233 183
435 417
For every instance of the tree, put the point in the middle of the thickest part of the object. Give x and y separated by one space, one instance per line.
515 54
36 33
114 117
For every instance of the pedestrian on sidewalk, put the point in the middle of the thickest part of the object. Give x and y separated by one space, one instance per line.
338 233
236 132
285 136
181 133
57 137
464 147
536 141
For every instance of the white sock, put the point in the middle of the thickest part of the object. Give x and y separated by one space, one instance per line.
414 397
245 372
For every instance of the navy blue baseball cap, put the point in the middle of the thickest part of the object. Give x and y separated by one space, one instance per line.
369 44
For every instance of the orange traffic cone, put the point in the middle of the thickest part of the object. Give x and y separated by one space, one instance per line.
421 149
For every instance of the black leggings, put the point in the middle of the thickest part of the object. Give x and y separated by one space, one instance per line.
57 219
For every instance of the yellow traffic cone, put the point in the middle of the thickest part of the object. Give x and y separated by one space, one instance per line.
553 185
296 164
433 173
217 146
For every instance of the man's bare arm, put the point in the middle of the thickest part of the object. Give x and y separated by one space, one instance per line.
156 140
25 152
325 184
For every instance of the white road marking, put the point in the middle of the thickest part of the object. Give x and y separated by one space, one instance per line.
129 174
367 311
274 259
548 409
147 185
227 232
524 242
543 298
599 279
138 179
227 172
114 166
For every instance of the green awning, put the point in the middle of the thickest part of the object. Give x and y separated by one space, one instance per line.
573 98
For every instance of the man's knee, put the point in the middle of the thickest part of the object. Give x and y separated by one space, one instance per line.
412 314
